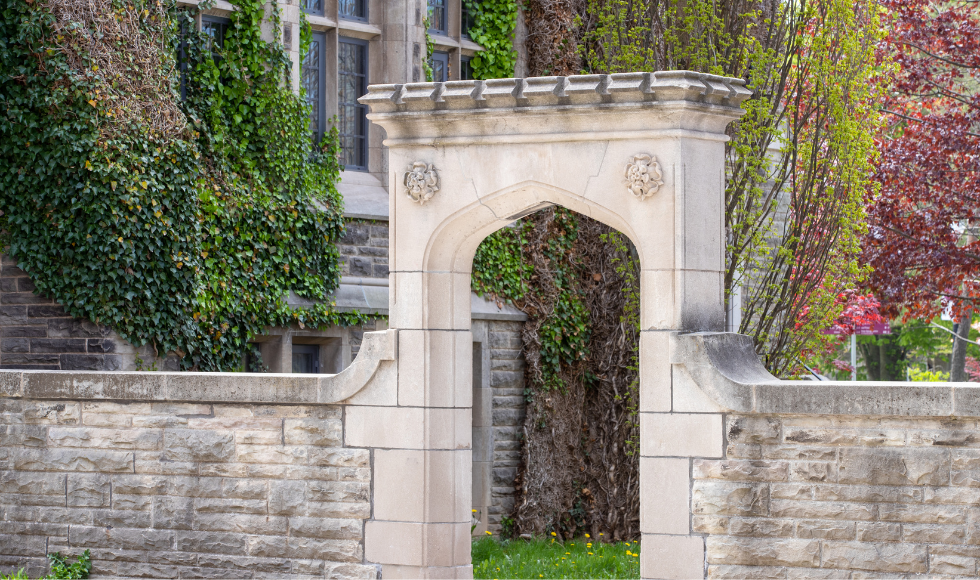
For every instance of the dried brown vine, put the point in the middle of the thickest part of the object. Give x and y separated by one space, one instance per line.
579 471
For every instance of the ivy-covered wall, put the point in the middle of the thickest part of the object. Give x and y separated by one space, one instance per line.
181 224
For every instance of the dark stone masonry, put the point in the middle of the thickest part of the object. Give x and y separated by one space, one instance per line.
36 333
364 249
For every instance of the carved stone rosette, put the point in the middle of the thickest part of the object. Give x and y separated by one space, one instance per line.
643 176
421 182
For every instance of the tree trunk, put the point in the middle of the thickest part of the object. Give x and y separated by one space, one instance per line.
957 363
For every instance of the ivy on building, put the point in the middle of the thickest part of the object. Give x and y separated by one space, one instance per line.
183 224
494 22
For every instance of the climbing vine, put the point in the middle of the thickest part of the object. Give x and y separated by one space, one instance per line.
183 224
494 22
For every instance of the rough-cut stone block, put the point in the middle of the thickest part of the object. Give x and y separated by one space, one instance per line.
894 466
878 532
741 470
198 445
825 530
747 429
323 433
780 508
888 558
935 514
762 527
763 551
724 498
88 490
72 460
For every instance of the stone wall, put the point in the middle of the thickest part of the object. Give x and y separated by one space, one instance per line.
507 383
36 333
364 249
825 496
183 490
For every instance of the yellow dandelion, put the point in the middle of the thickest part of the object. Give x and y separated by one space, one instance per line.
554 534
489 533
587 536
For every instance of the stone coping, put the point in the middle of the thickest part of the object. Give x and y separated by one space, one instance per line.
638 87
724 365
245 388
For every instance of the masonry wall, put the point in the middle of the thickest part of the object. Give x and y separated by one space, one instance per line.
507 383
36 333
364 249
841 497
183 490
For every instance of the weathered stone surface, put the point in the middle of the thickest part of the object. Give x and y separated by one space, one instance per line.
882 497
894 466
763 551
198 445
199 504
893 558
724 498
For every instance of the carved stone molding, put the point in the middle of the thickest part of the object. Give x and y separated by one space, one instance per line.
643 176
421 182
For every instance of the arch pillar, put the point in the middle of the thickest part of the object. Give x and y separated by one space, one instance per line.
466 158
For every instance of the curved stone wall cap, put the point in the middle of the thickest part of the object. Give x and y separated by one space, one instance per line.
725 366
242 388
638 87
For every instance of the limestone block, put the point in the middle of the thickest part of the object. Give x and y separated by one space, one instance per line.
889 558
680 435
398 475
393 542
894 467
72 460
954 565
763 551
878 532
143 439
762 527
910 513
89 490
781 508
725 498
326 528
741 470
826 530
747 429
198 445
671 557
384 427
211 542
664 496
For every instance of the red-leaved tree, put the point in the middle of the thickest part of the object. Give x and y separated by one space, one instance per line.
922 238
920 221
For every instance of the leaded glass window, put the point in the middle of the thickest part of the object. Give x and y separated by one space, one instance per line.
313 75
440 66
438 21
215 29
353 9
352 119
313 6
469 17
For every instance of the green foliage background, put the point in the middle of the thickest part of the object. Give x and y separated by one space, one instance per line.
190 237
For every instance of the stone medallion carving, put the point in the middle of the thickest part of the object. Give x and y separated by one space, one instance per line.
643 176
421 182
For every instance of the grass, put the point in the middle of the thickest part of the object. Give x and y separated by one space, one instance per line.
548 558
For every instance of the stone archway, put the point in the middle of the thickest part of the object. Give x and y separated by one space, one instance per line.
469 157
